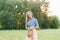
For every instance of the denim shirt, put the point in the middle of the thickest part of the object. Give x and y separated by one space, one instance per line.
32 22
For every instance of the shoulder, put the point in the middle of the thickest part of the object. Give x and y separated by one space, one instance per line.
34 19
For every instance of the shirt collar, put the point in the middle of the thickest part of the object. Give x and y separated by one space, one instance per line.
31 18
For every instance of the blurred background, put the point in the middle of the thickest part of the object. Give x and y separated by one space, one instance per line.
13 13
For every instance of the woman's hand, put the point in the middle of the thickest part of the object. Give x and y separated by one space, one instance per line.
28 28
34 27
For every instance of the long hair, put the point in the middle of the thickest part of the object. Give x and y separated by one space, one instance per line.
27 13
26 21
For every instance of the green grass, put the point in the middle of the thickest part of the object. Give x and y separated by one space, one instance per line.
43 34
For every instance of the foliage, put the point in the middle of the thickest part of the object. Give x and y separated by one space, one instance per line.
12 14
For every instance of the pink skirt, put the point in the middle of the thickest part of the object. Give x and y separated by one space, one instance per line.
34 35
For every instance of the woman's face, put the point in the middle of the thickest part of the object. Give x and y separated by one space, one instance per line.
29 15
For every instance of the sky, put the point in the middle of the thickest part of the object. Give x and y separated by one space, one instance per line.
54 7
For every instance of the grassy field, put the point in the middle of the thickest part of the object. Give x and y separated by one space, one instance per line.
43 34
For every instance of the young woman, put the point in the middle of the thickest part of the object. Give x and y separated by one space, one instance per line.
31 26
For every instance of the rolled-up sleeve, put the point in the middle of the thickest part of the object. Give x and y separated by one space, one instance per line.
36 23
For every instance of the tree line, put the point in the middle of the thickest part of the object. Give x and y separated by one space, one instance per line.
13 13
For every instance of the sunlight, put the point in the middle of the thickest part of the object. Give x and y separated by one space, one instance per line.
34 0
54 7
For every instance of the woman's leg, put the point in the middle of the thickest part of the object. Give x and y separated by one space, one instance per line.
28 36
34 34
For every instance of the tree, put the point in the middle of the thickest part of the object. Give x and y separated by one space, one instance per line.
13 13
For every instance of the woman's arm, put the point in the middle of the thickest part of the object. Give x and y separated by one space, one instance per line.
26 23
36 27
27 27
36 24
